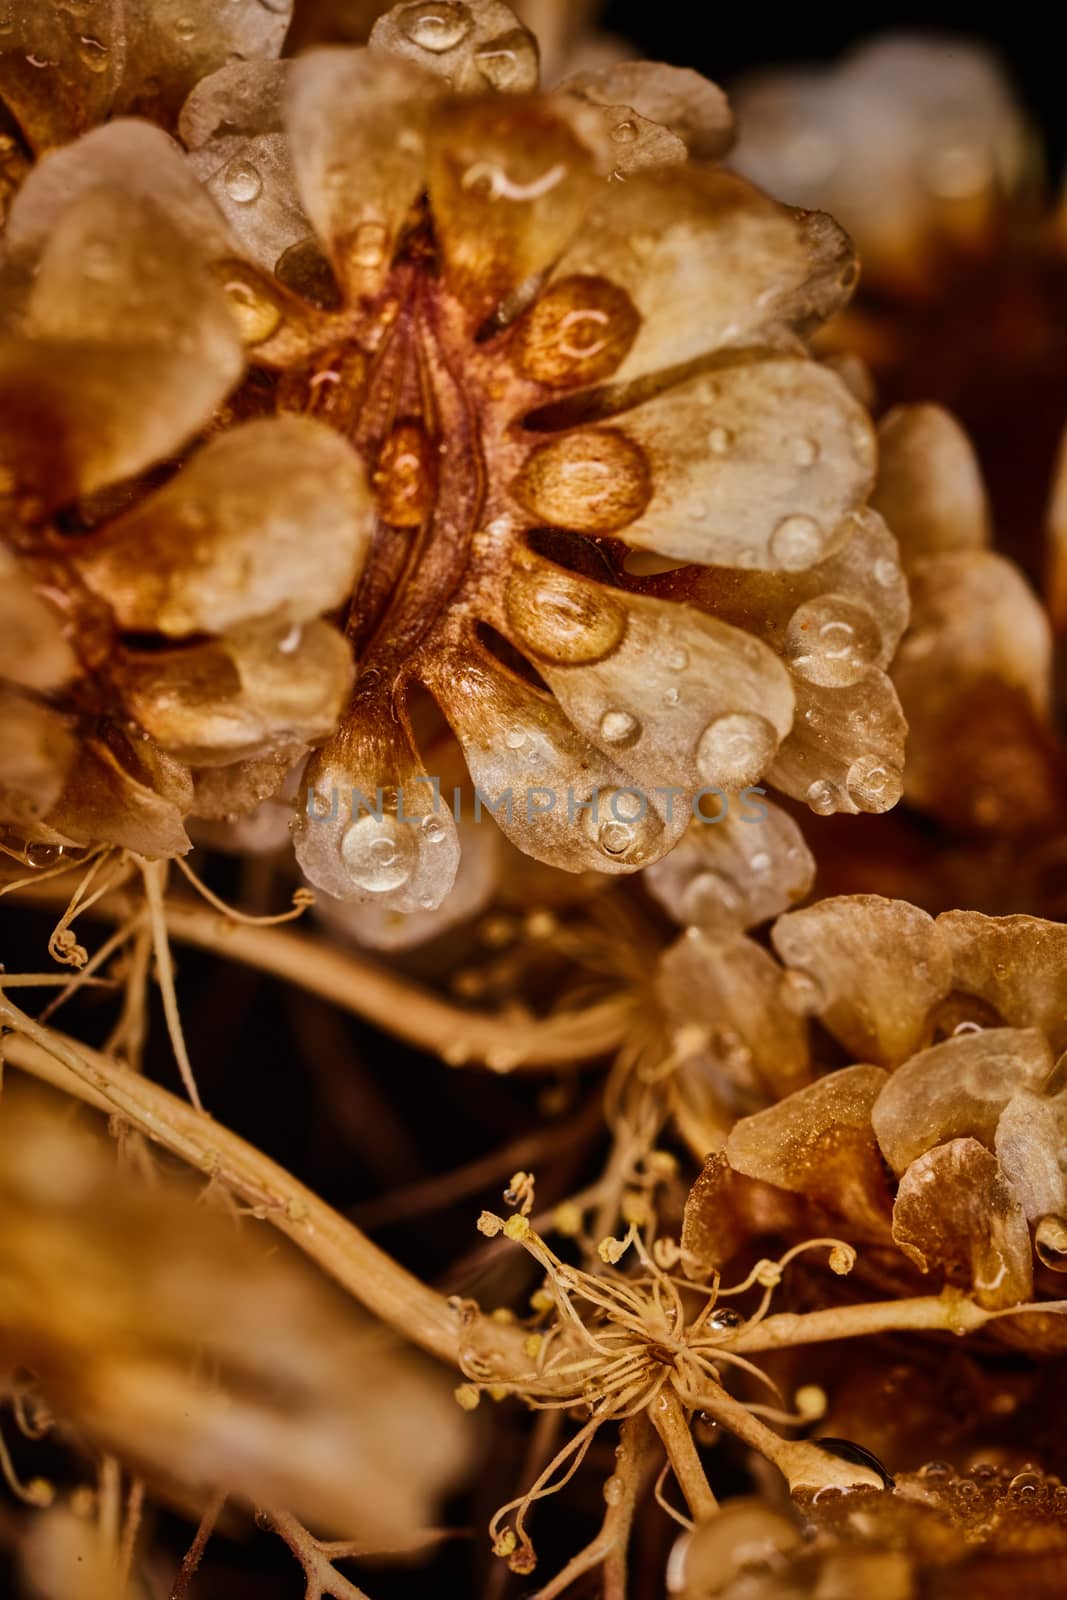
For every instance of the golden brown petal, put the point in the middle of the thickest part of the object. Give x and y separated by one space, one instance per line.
60 66
870 968
723 1210
672 100
475 45
172 44
125 792
929 488
756 1047
357 129
1017 964
846 748
269 520
731 874
246 695
1030 1141
819 1143
34 651
37 751
956 1214
957 1089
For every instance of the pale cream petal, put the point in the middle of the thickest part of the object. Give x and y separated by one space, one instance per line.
1016 964
60 66
511 182
570 806
674 99
124 792
357 128
270 520
871 969
1030 1139
37 751
957 1089
929 488
474 45
34 649
372 824
846 750
708 261
172 44
733 874
819 1143
756 1049
246 695
758 465
957 1215
676 698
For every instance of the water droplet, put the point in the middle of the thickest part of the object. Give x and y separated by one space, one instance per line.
797 542
622 824
760 862
436 26
243 181
578 332
886 572
185 29
1025 1485
379 855
671 697
677 660
873 785
563 618
257 313
801 993
805 452
832 641
509 64
93 53
967 1489
624 132
433 829
736 749
43 855
614 1489
619 728
515 738
938 1470
822 798
724 1319
369 244
720 440
591 482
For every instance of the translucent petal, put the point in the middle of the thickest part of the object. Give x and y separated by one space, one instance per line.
357 127
731 875
269 520
475 45
675 697
677 99
1030 1140
957 1215
846 749
510 185
819 1143
242 696
172 44
372 824
36 753
871 969
60 66
571 806
127 793
34 651
711 471
757 1048
1017 964
708 261
929 488
233 127
723 1210
957 1089
248 804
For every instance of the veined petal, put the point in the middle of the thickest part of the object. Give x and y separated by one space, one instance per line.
569 805
125 792
675 697
929 488
1017 964
846 748
475 45
172 44
731 875
1030 1138
757 465
357 127
674 100
60 66
269 520
871 969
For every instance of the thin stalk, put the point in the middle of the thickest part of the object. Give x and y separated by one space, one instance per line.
672 1424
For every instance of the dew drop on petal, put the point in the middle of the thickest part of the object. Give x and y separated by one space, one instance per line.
801 993
185 29
563 619
509 64
93 53
872 784
515 738
886 572
938 1470
258 314
677 660
719 441
379 855
614 1490
621 824
797 542
725 1319
736 749
243 181
832 641
43 855
619 728
671 697
624 132
822 797
436 26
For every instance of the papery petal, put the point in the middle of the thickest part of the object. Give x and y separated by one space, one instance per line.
511 182
475 45
570 806
756 1046
233 125
34 650
357 129
1030 1140
871 969
929 488
172 44
723 1210
373 825
846 748
125 792
957 1089
731 875
241 793
708 261
241 696
60 66
819 1143
675 99
956 1214
1017 964
758 465
36 753
675 697
269 520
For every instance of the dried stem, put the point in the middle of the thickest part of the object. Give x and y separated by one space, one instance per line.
322 1576
672 1424
608 1549
195 1553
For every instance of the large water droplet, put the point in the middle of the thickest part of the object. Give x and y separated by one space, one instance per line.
622 824
578 332
564 619
592 481
624 132
43 855
724 1319
822 797
873 784
509 64
832 641
515 738
619 728
243 181
379 855
736 749
436 25
797 542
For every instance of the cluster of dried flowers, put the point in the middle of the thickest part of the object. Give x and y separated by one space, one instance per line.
491 487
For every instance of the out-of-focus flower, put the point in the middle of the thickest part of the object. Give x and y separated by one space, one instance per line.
555 342
205 1360
957 1026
